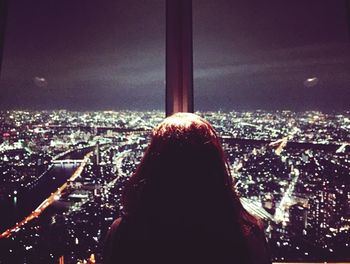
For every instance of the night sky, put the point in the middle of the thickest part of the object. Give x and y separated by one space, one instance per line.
110 54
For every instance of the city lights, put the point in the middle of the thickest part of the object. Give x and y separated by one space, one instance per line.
291 170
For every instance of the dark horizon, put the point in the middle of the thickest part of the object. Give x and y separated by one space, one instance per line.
224 110
247 55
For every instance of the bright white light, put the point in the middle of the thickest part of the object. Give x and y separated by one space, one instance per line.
311 82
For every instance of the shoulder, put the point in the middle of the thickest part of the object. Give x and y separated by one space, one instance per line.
110 240
115 225
258 244
115 229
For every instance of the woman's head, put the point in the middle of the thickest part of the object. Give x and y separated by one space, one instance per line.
183 167
182 191
187 127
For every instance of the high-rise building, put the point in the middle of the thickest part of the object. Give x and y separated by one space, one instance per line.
97 153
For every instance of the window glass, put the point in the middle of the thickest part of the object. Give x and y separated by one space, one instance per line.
82 84
273 78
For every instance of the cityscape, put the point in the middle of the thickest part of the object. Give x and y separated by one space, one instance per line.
63 172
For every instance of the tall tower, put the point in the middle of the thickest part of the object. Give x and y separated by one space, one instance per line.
97 153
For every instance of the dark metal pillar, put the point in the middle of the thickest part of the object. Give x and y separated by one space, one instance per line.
347 2
179 56
3 16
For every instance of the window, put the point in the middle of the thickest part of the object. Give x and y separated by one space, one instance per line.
273 78
82 83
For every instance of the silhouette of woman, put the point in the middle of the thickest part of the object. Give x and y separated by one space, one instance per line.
181 206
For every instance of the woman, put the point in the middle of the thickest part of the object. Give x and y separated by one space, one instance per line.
181 206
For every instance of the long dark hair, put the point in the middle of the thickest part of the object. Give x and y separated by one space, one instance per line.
184 183
184 159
